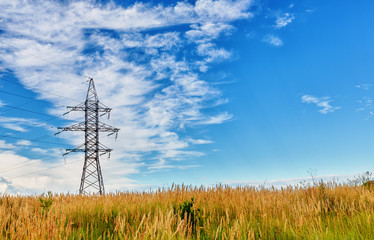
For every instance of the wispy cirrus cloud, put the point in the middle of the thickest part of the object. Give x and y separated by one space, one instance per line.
283 20
199 141
21 124
162 165
279 19
13 126
145 66
365 86
366 106
322 102
5 145
23 143
273 40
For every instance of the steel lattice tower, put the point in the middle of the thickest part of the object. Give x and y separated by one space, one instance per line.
92 178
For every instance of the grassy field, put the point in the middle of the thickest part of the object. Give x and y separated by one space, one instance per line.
321 211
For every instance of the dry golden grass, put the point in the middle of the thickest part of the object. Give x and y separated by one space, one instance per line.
322 211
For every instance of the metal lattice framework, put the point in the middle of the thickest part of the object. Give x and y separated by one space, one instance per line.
92 179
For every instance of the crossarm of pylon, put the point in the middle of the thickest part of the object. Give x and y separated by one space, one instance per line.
107 128
74 127
80 107
83 108
103 108
77 108
69 150
105 150
73 150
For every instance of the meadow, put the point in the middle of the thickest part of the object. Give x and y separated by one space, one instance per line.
310 211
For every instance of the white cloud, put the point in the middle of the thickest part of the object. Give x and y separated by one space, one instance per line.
3 187
21 124
365 86
47 45
39 150
222 9
14 127
323 102
178 155
213 53
201 33
23 142
273 40
166 41
21 175
4 145
283 20
163 165
310 10
220 118
199 141
366 105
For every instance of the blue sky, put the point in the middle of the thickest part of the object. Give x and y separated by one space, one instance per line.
204 92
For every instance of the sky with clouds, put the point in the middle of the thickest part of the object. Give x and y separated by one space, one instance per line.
204 92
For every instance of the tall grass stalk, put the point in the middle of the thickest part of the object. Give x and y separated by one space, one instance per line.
322 211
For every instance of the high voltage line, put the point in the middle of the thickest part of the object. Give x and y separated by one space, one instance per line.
30 161
36 89
18 95
33 140
30 111
47 61
31 126
27 145
58 65
25 110
46 169
18 166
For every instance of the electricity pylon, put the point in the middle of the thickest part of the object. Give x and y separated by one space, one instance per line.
92 178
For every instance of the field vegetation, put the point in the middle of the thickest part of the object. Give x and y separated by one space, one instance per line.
309 211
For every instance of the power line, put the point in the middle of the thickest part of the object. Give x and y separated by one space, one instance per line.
18 107
17 167
11 166
25 110
40 90
14 94
52 118
31 126
33 99
37 157
45 169
33 140
22 145
47 61
23 104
